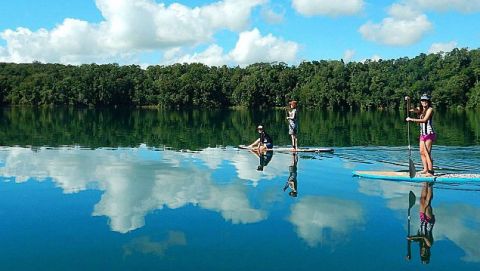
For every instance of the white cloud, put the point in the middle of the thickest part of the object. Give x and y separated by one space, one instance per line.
3 52
327 7
374 58
273 17
403 11
129 27
467 6
212 56
348 55
442 47
146 24
250 48
314 216
405 26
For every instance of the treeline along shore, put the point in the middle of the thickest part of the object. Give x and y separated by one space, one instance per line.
451 78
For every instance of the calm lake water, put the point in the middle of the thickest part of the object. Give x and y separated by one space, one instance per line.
168 190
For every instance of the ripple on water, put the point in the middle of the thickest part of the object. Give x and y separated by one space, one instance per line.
446 158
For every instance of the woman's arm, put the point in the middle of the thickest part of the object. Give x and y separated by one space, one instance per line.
417 238
254 143
424 119
291 114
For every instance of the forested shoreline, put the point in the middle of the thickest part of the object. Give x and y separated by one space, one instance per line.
451 78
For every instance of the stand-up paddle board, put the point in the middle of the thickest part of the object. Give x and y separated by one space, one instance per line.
404 176
285 149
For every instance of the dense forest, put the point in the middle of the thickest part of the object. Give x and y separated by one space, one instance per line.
451 78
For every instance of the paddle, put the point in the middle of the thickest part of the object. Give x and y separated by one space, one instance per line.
411 202
411 165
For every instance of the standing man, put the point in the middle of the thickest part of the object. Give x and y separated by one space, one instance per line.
292 123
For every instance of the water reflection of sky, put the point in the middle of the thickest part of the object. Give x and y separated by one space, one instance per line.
460 222
140 190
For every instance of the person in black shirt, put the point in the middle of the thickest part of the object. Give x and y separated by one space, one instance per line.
263 143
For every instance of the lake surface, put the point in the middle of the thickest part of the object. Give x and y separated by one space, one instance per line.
158 190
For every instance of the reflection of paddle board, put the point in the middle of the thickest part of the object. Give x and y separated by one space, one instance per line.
285 149
404 176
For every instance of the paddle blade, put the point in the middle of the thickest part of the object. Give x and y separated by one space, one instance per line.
411 199
411 168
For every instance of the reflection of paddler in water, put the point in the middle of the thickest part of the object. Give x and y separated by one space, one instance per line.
262 147
292 177
424 235
264 158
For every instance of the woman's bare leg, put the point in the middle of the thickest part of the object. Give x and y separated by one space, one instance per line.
428 154
294 141
423 157
423 197
428 201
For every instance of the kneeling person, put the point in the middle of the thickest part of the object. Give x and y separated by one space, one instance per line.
263 143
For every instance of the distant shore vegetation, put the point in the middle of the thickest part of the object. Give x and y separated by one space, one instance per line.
452 79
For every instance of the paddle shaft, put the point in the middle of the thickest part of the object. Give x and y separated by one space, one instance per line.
409 242
408 130
411 202
411 165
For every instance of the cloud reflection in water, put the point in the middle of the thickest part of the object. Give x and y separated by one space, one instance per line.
138 181
316 216
459 223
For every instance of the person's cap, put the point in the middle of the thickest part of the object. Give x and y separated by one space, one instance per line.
425 97
259 127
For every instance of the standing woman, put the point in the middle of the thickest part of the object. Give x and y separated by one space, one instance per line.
427 134
292 123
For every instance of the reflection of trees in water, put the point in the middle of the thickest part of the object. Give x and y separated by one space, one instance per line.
197 129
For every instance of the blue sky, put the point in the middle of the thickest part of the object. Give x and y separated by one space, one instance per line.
232 32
